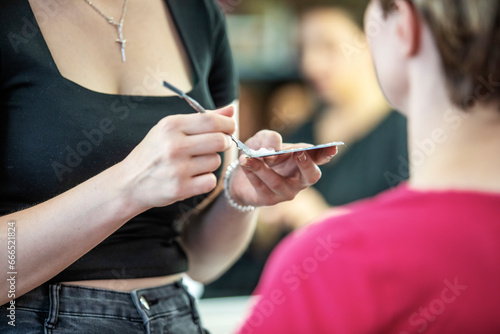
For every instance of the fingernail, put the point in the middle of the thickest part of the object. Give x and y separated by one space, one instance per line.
301 157
245 163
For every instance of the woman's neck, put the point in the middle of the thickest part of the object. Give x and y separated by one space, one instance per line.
459 150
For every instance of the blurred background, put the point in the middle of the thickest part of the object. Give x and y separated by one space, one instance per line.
265 43
305 71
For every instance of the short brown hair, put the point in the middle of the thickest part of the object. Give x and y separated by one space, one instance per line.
467 34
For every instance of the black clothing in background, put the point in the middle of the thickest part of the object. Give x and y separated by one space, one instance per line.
364 168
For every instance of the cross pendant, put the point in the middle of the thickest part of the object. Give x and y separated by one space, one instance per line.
120 40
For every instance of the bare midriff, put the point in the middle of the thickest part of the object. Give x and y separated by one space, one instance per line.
127 285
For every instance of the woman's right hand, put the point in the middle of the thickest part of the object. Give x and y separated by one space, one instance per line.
176 159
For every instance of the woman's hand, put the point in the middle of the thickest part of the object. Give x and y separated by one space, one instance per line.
271 180
176 159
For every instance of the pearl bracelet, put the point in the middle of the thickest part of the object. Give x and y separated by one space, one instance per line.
230 200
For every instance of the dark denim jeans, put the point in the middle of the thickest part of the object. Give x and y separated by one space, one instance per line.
58 308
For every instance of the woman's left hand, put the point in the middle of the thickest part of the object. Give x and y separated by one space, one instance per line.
271 180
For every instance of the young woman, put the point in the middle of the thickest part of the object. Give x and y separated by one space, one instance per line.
107 180
422 258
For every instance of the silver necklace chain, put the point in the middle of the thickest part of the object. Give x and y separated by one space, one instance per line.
117 25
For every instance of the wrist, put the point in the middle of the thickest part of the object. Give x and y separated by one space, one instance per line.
122 187
234 201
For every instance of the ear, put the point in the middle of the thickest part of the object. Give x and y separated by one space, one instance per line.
408 27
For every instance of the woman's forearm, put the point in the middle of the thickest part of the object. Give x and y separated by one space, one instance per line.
50 236
217 240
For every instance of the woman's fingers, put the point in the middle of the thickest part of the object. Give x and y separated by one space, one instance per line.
324 155
271 186
271 180
304 173
202 183
265 139
203 164
226 111
281 182
205 144
309 171
178 156
193 124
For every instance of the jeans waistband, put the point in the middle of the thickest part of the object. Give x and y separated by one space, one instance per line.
76 299
60 308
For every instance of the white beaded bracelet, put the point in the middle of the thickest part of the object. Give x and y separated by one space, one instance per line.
231 201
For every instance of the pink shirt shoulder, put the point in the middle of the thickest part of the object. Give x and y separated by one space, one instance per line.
402 262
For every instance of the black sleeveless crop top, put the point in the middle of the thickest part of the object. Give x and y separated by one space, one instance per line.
56 134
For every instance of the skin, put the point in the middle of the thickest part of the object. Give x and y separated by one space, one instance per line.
332 48
174 161
411 76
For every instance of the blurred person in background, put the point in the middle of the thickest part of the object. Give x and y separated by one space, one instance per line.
423 257
336 62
